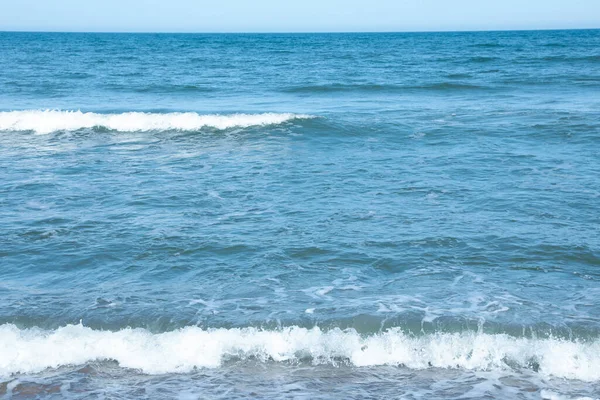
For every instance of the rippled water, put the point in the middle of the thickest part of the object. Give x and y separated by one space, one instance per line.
300 216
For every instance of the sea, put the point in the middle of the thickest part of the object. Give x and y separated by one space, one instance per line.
300 216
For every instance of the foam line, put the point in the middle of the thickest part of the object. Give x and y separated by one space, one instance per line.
33 350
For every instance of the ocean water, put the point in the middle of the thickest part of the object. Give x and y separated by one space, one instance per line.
311 216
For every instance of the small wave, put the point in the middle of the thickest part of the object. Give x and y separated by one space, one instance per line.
448 86
482 59
48 121
459 75
340 88
162 89
34 350
555 45
564 58
487 45
379 88
77 75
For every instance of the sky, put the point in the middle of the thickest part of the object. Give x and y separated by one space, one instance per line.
295 15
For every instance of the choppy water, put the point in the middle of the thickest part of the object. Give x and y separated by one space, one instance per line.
300 216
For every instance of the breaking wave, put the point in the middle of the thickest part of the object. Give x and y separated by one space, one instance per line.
33 350
48 121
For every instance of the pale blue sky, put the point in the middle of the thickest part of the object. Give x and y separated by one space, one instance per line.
295 15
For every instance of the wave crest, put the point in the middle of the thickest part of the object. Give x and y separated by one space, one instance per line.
33 350
48 121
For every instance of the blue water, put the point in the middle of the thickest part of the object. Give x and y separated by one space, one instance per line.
300 216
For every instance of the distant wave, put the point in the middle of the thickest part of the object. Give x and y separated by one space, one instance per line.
450 86
555 45
379 87
564 58
482 59
33 350
341 88
164 89
459 75
487 45
43 122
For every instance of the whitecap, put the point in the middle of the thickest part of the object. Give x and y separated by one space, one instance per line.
33 350
48 121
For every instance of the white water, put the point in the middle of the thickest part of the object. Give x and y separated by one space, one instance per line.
33 350
48 121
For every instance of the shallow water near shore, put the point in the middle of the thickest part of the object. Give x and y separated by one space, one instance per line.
300 216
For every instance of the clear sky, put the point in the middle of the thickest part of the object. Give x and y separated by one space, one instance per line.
295 15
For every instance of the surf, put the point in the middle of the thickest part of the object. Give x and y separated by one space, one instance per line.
185 350
48 121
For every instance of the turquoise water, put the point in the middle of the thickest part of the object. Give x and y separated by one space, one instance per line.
300 216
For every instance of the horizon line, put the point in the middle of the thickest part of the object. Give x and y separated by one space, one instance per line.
301 32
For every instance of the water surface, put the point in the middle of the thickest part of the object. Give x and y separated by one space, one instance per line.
300 216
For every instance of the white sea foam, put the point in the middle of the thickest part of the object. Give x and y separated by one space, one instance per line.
47 121
549 395
33 350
